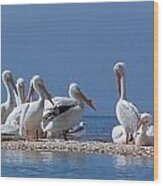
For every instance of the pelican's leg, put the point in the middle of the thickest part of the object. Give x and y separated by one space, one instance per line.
127 138
27 139
131 138
65 135
36 135
45 134
42 134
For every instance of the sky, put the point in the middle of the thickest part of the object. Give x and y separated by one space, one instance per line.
66 43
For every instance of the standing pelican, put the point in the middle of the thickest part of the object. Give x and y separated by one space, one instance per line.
143 136
8 106
32 113
67 112
11 125
20 85
127 113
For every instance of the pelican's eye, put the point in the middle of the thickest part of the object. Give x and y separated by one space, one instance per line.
39 85
21 85
8 77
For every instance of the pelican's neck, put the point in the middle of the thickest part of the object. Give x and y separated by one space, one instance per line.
122 87
81 103
142 130
22 96
41 96
10 93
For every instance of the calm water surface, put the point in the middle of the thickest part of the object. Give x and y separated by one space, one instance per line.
75 165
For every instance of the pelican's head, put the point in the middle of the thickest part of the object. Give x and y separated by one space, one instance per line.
20 84
82 124
76 93
119 68
38 85
8 79
119 72
145 120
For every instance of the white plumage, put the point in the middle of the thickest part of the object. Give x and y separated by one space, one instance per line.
67 112
119 135
11 125
78 130
8 106
127 113
31 115
20 85
144 136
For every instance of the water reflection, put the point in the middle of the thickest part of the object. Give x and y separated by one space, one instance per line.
134 166
75 165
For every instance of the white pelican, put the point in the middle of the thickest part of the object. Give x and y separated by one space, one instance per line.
127 113
119 135
32 113
144 135
67 112
11 125
78 130
150 130
20 85
8 106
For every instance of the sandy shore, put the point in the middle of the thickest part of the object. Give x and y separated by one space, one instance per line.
78 146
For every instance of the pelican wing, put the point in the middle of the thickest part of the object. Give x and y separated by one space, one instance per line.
77 128
59 101
117 132
10 129
150 130
127 115
22 118
61 105
56 111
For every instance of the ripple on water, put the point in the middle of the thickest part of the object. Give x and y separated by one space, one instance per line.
75 165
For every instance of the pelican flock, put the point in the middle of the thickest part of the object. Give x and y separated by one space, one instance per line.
51 116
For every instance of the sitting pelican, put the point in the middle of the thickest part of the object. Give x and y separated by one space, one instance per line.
127 113
144 135
150 130
8 106
32 113
67 112
20 85
119 135
78 130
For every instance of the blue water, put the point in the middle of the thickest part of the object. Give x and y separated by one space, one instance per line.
82 42
78 165
75 165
